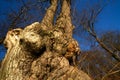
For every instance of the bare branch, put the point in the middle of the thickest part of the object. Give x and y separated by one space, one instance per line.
18 16
1 40
88 21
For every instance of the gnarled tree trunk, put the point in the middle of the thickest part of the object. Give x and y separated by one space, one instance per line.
43 51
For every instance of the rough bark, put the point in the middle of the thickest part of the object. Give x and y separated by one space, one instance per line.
43 51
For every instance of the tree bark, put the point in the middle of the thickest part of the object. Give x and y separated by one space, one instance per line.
43 51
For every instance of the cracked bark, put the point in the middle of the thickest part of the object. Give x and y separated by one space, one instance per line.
43 51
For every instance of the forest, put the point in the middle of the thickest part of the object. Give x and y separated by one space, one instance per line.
36 34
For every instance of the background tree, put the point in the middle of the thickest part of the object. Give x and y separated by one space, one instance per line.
90 62
87 21
112 40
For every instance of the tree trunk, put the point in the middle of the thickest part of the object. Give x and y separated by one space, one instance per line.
43 51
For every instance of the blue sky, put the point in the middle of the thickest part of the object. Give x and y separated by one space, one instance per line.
2 51
109 18
6 6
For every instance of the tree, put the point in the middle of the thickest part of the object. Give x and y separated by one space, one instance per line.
43 50
87 21
112 40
